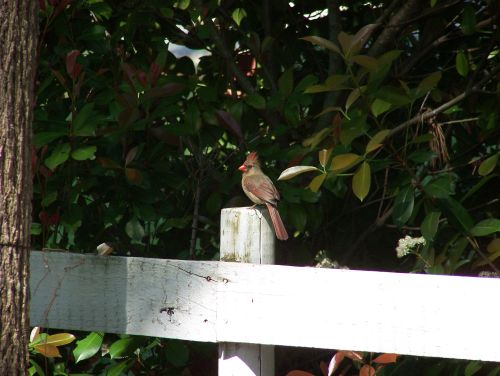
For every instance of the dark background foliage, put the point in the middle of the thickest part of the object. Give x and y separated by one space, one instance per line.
397 108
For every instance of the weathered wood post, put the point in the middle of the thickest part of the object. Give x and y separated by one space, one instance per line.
246 235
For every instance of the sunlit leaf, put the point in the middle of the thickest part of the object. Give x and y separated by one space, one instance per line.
376 140
48 351
367 370
88 347
344 161
315 184
361 181
124 347
386 358
59 339
488 165
486 227
238 15
335 362
291 172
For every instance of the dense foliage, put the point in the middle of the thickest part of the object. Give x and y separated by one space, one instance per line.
394 108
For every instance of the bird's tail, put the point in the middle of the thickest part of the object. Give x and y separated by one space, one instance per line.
279 227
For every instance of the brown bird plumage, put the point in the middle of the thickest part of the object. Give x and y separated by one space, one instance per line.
261 190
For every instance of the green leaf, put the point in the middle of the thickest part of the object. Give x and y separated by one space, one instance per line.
403 205
177 353
135 230
84 153
256 101
49 198
353 96
346 42
43 138
488 165
472 368
361 181
238 15
368 62
124 346
343 162
36 228
393 95
83 123
376 140
291 172
298 216
88 347
486 227
379 106
59 339
457 215
119 369
429 82
35 369
323 43
462 64
430 225
477 186
441 187
58 156
285 82
468 20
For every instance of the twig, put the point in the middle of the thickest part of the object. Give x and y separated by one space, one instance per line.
431 113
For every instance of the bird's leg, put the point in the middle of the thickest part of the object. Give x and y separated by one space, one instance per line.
259 214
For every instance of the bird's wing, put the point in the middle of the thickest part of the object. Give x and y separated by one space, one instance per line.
262 187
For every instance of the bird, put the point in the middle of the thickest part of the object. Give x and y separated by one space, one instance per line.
261 190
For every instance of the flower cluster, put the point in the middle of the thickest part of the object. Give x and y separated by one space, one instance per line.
408 244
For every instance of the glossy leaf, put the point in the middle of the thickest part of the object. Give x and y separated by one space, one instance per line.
403 206
486 227
120 368
457 215
84 121
59 339
376 140
430 225
291 172
88 347
335 362
361 181
441 187
367 370
124 346
344 161
49 351
488 165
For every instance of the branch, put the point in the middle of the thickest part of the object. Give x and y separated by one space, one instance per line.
431 113
394 26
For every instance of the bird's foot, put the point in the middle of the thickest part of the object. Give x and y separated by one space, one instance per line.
259 214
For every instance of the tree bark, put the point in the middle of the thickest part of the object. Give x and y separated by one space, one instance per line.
18 40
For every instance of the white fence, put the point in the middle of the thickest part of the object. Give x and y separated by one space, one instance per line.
230 302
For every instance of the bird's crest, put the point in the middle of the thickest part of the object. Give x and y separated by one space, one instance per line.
253 157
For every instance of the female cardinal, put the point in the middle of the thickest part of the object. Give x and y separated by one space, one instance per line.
261 190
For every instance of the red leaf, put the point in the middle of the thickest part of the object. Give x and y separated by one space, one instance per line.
44 218
324 368
143 79
386 358
72 67
335 362
132 153
230 123
367 370
154 73
133 175
353 355
54 219
42 5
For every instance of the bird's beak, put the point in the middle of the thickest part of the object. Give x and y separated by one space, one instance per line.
242 168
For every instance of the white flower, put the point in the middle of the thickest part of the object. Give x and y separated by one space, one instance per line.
408 244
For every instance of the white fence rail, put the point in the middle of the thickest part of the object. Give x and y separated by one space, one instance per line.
440 316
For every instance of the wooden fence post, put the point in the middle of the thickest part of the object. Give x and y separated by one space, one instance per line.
246 235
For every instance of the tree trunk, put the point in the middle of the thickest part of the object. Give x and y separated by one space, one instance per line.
18 40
